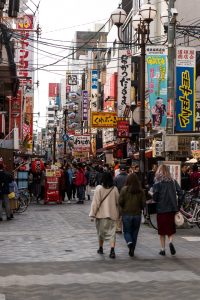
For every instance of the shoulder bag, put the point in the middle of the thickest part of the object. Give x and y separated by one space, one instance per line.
178 218
103 200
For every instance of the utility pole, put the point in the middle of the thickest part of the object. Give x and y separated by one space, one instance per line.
54 144
171 69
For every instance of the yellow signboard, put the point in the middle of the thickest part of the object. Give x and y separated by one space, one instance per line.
104 120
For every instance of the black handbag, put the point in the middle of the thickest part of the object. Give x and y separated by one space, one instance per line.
151 207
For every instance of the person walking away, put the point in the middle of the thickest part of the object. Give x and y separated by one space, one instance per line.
69 182
5 180
74 190
151 176
138 172
88 187
185 178
131 202
119 182
105 209
99 174
165 192
80 183
62 182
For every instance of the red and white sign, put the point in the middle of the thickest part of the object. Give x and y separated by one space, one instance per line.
123 129
54 90
82 143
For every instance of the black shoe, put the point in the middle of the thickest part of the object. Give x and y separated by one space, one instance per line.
1 219
172 249
9 218
79 202
162 252
112 253
100 250
131 250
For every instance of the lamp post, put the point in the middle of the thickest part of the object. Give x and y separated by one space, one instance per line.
141 24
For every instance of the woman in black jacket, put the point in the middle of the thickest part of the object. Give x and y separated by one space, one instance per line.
165 192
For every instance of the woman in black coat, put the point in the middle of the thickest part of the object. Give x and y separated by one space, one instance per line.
165 193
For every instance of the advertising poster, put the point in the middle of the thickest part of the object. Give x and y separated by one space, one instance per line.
186 119
156 61
104 119
85 106
82 143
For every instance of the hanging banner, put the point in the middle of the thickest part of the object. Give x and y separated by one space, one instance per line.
85 106
122 129
124 81
186 118
94 90
156 60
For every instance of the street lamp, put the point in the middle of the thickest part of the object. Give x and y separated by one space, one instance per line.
141 24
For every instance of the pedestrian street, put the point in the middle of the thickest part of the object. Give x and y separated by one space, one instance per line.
49 252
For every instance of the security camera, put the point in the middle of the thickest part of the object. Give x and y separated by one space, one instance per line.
174 12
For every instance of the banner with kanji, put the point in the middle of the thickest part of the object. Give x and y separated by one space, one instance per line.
186 119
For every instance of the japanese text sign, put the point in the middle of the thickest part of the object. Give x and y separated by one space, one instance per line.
104 119
85 106
185 89
94 90
82 142
124 82
123 129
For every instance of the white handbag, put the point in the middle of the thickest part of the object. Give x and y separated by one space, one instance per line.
179 219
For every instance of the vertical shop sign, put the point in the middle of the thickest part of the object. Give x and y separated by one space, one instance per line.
85 106
24 56
124 82
156 60
94 90
186 118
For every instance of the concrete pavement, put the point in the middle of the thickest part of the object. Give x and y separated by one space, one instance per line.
49 252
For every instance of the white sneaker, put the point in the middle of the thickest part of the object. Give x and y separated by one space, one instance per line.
68 202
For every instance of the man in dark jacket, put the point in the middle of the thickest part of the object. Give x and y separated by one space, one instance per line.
5 179
120 180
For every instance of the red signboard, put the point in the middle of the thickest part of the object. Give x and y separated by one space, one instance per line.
123 129
16 113
54 90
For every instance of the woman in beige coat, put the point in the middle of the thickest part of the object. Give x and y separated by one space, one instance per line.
105 210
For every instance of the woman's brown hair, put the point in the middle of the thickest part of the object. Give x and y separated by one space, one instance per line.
133 184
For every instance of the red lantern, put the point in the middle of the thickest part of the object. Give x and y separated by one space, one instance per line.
37 166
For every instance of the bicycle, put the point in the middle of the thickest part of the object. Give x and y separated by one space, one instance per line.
22 201
192 217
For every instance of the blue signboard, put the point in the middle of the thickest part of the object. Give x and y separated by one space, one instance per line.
94 79
185 99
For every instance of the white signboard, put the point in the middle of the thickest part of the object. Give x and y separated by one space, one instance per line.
82 142
124 81
186 57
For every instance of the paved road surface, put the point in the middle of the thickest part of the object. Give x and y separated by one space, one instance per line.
49 253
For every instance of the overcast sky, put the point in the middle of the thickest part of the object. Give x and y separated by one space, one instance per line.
59 20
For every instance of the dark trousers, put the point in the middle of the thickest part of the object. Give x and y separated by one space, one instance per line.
81 192
69 192
131 226
74 190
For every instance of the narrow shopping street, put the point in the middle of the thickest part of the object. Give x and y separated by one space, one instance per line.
49 252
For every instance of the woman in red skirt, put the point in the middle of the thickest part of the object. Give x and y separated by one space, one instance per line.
165 192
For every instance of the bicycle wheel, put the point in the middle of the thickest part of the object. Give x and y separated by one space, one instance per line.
22 203
198 219
153 221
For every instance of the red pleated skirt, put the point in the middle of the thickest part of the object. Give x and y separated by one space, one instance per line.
166 224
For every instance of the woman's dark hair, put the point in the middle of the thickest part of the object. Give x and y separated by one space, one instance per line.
133 184
107 180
